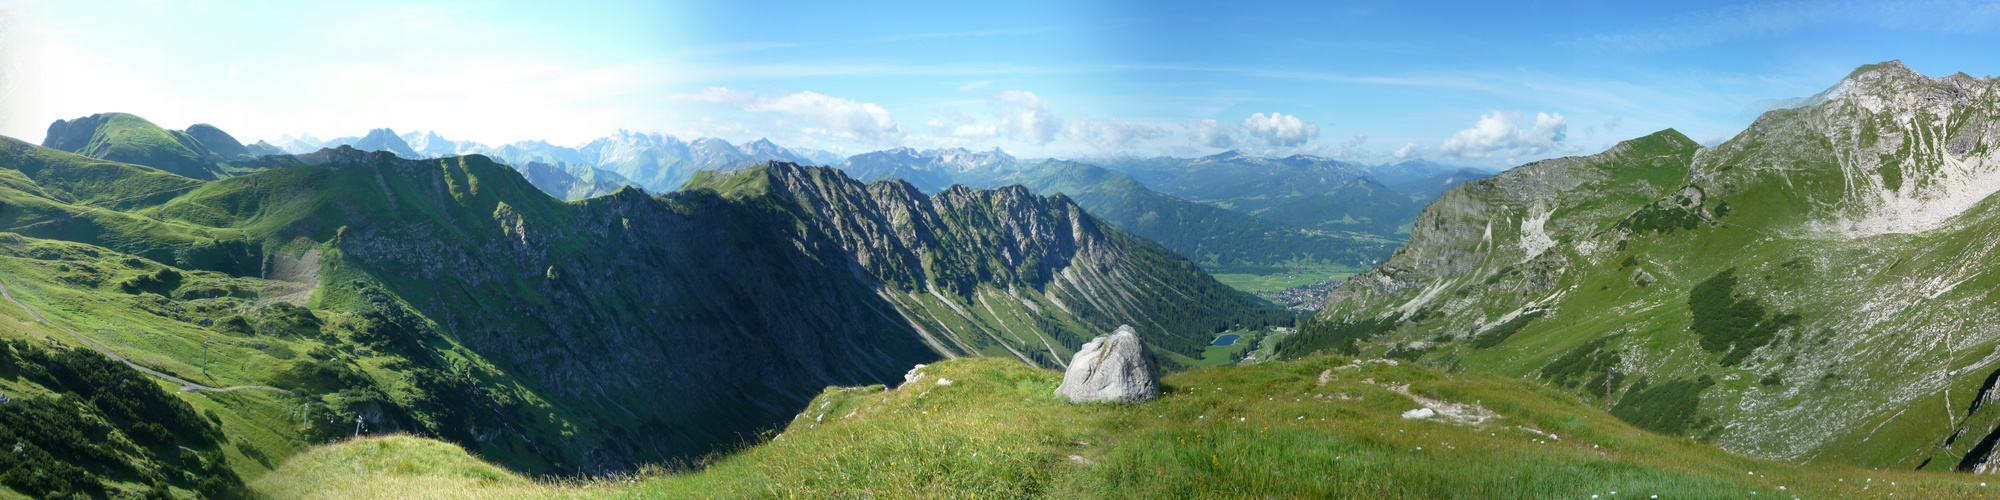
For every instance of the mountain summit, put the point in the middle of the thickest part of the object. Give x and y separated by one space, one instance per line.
1812 289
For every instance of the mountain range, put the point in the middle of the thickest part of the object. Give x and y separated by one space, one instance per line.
1326 212
453 297
659 163
1814 289
1804 308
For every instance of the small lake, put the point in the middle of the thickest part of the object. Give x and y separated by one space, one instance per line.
1227 340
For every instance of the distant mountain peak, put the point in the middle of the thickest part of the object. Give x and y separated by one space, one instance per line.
1226 155
383 139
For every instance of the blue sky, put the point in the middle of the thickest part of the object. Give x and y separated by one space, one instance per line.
1489 84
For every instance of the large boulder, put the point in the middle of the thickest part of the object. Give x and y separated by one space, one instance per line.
1115 367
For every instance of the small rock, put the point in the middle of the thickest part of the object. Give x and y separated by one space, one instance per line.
1115 367
1420 413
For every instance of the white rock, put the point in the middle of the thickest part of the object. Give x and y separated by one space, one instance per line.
1115 367
1420 413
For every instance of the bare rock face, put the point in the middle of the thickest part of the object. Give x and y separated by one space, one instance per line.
1115 367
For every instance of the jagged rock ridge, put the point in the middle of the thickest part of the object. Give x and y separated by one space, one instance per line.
1812 289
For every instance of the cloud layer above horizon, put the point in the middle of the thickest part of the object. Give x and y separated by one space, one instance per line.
1357 81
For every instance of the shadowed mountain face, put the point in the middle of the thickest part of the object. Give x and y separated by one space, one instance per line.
221 143
463 302
1813 289
572 182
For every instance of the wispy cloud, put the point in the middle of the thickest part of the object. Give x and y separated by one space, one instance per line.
840 117
962 34
1771 19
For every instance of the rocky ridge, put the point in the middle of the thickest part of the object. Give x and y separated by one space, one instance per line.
722 308
1809 290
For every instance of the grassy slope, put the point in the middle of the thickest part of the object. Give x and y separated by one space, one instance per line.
1362 206
82 180
1883 366
75 285
995 431
49 194
127 138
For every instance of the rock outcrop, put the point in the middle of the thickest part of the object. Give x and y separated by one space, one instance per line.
1115 367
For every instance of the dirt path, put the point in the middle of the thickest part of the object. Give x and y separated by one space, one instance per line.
186 385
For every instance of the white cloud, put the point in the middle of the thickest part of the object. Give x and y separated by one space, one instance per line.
1111 134
1410 150
932 141
975 131
1025 116
954 116
1351 148
1498 132
1213 134
1280 130
718 94
844 118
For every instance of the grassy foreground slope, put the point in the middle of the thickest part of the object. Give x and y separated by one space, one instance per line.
1315 428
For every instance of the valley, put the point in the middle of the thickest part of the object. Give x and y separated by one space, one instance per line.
617 249
362 287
